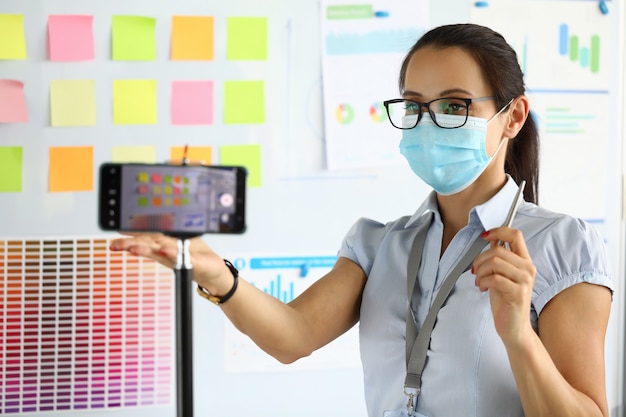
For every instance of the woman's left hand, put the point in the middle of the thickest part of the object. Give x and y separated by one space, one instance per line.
508 274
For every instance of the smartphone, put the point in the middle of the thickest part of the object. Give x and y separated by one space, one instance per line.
179 200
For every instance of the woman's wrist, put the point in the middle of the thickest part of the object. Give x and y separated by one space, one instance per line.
221 299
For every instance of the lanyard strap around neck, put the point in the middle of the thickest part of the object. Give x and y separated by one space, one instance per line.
417 342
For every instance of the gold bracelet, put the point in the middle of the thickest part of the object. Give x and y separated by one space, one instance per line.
217 300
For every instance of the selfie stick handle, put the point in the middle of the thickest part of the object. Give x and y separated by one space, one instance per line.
184 330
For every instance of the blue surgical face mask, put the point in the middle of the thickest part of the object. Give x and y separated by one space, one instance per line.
449 160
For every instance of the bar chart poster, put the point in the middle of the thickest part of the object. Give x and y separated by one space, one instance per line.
83 329
363 45
567 62
567 47
285 277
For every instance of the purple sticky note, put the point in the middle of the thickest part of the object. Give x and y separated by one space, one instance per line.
12 102
70 37
192 102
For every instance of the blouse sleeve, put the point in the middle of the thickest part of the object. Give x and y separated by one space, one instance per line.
571 253
362 241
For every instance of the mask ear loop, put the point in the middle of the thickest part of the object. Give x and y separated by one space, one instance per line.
501 110
493 117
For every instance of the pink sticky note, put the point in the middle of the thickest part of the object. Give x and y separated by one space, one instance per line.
192 102
70 37
12 102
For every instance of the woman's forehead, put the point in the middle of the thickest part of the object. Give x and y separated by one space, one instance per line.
433 71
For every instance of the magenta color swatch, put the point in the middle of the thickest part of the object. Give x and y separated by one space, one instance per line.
83 328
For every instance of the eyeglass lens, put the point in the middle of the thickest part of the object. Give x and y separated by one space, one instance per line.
443 106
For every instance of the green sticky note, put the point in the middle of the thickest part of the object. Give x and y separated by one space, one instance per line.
134 102
10 169
125 154
12 40
246 38
248 156
244 102
133 38
73 102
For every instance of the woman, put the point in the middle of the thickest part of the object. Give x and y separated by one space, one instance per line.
522 332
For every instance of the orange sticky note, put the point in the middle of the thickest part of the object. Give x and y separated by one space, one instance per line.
192 38
70 168
12 102
195 155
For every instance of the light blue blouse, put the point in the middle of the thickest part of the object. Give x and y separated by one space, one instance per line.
467 371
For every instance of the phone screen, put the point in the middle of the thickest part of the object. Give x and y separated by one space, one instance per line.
174 199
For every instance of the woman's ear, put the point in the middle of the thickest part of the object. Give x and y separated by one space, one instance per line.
517 114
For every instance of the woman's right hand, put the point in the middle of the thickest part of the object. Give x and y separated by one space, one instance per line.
209 269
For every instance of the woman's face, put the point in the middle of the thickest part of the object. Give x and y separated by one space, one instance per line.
451 72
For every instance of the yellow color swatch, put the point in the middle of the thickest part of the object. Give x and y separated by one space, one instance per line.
195 155
73 103
140 154
12 40
248 156
134 102
244 102
192 38
246 38
70 168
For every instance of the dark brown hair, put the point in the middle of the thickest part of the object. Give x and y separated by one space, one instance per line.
501 69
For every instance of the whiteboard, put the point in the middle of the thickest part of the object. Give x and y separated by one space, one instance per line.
300 207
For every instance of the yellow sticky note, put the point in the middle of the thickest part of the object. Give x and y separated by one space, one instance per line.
70 168
134 102
12 40
192 38
133 38
140 154
248 156
11 167
195 155
244 102
73 103
246 38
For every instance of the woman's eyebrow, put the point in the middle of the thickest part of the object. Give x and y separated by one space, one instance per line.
453 91
444 93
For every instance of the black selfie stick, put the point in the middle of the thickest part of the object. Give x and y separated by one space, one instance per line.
184 331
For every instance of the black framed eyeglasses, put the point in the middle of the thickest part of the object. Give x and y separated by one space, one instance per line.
447 113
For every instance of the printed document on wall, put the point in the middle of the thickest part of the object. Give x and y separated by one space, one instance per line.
566 59
286 276
363 45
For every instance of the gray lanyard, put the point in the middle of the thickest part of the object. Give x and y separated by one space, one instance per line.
417 343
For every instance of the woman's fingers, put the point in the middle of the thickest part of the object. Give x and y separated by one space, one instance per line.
513 237
514 265
154 246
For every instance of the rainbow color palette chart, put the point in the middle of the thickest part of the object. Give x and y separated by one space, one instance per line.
83 328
